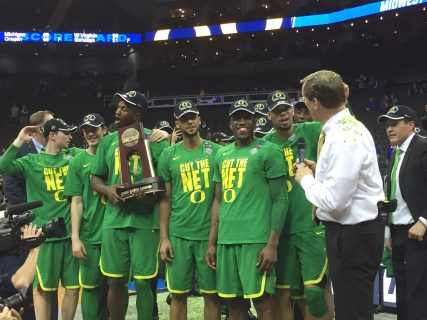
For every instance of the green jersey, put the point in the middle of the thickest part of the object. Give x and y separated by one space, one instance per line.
245 212
190 173
44 179
78 184
299 216
132 214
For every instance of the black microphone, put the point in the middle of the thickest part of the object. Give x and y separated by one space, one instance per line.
20 208
301 150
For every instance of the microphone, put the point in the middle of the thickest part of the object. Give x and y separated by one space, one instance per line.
20 208
301 150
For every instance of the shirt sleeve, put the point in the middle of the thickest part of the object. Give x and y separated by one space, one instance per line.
340 179
99 166
73 182
275 164
217 172
163 166
10 165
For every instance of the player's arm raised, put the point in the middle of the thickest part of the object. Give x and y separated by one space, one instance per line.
166 250
213 235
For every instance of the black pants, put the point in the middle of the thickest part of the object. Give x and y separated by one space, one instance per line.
354 253
410 271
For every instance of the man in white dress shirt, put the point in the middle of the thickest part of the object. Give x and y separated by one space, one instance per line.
344 186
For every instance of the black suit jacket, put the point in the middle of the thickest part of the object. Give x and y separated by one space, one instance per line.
413 177
14 188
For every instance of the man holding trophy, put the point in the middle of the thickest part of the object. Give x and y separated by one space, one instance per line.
130 236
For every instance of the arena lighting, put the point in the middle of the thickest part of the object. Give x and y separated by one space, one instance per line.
295 22
215 30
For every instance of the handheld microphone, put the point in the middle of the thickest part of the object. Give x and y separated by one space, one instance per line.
20 208
301 150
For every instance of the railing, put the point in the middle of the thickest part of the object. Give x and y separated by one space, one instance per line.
208 99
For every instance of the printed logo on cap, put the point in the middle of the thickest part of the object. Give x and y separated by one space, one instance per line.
278 95
393 110
184 105
89 117
259 106
62 122
261 122
240 103
164 123
131 94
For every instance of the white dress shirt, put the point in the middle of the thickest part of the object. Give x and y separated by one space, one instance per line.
402 214
38 145
347 184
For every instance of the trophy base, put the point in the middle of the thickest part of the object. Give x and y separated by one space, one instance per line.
145 190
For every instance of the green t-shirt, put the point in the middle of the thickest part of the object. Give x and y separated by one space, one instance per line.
245 212
78 184
45 177
299 216
190 173
133 214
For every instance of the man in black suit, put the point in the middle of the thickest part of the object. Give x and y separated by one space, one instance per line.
407 183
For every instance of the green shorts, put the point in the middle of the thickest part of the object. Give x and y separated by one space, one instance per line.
301 260
56 262
89 273
189 255
238 274
130 251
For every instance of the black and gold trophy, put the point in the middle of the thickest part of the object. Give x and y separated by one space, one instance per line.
132 141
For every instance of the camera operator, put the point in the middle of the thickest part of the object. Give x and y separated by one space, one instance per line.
17 272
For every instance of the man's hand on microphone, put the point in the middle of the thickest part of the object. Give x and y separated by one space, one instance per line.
308 168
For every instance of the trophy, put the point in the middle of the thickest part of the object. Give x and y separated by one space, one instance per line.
132 140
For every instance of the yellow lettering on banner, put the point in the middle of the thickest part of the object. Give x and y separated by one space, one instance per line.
229 195
197 196
59 196
205 172
187 183
196 179
50 182
116 162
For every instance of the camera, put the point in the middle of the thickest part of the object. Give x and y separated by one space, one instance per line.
16 301
18 216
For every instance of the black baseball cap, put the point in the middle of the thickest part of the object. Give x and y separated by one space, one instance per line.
184 107
300 103
400 112
241 105
221 137
92 120
163 125
57 124
277 98
263 126
261 108
133 98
